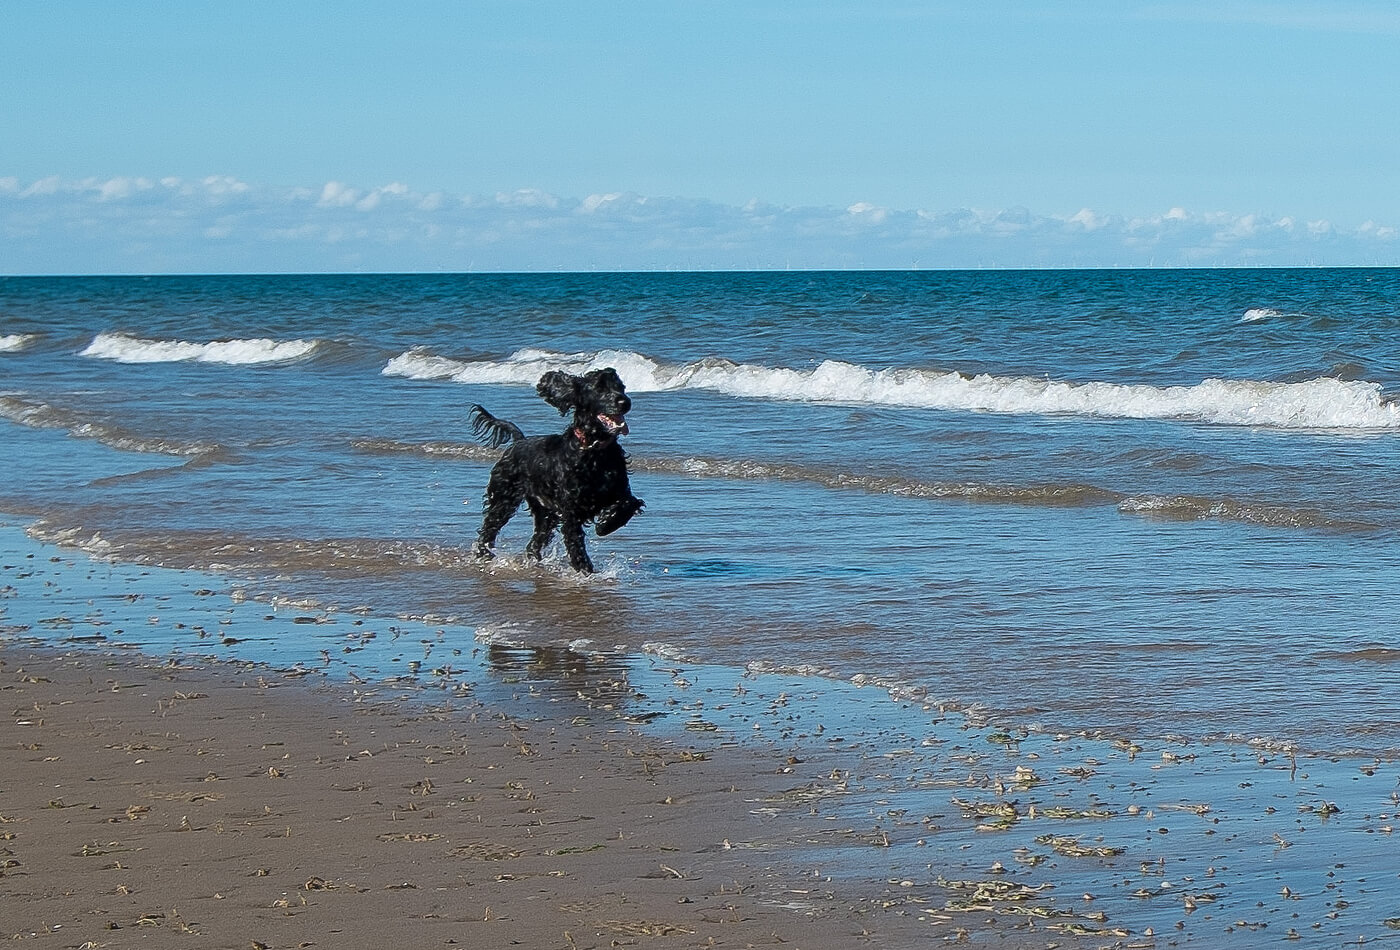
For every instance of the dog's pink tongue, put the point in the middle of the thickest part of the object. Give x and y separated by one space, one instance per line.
615 424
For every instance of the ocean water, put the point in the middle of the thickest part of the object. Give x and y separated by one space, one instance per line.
1137 503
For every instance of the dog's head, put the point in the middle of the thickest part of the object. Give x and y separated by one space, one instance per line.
598 400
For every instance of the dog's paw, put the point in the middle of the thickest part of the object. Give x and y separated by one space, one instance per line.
618 515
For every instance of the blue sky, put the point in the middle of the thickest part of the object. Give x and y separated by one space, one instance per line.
153 137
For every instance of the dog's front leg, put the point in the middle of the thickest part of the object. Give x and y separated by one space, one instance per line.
610 519
572 532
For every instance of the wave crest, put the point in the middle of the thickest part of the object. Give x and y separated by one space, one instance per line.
122 348
1321 403
14 342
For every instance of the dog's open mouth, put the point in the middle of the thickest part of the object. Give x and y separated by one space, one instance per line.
615 425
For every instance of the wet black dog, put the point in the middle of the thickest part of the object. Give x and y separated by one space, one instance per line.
568 480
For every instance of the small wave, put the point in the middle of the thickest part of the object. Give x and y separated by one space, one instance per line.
14 342
1259 314
194 463
1194 508
1066 495
1322 403
358 557
254 352
1044 495
221 551
38 415
1372 654
463 450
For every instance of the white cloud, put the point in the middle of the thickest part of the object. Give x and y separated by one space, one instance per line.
528 198
224 185
44 186
372 199
1089 219
336 195
219 223
115 189
868 213
594 203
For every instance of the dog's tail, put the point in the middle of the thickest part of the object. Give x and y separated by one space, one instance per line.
491 431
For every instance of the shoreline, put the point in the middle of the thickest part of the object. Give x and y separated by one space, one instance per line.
847 822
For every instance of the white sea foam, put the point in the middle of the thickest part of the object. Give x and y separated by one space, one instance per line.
525 367
14 342
1323 403
665 651
1256 314
506 634
130 349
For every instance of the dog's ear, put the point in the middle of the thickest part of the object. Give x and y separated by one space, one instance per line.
559 389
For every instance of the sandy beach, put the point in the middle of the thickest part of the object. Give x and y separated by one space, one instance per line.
161 805
195 801
189 797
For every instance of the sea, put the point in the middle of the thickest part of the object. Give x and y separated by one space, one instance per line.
1128 503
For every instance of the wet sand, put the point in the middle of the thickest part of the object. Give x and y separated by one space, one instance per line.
153 796
153 804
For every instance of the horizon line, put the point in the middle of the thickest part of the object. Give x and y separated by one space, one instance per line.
538 272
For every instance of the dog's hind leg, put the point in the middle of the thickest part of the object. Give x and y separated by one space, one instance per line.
545 523
502 500
572 532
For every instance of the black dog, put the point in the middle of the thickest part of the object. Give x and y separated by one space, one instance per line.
569 479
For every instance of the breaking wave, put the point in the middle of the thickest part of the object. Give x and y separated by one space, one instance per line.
14 342
1322 403
254 352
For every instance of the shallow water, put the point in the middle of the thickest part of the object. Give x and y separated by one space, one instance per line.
1153 503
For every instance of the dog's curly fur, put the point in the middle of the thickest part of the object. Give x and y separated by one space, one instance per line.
568 480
